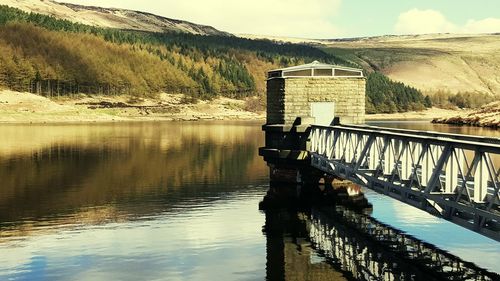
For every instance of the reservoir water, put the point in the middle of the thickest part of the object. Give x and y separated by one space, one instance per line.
168 201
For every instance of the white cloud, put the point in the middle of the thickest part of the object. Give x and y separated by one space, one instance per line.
294 18
488 25
417 21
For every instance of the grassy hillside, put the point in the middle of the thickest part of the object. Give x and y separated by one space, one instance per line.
111 17
49 56
431 63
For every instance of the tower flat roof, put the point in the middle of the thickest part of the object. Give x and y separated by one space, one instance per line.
316 64
316 69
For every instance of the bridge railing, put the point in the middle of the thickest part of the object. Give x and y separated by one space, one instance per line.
452 176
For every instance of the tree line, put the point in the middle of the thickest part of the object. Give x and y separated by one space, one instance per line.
386 96
466 99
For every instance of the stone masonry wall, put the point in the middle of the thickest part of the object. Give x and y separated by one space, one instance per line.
276 101
347 93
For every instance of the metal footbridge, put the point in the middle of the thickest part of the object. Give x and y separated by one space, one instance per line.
452 176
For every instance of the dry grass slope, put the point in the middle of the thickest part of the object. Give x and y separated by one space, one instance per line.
454 63
111 18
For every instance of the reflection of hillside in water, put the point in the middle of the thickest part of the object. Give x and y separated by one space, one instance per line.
92 169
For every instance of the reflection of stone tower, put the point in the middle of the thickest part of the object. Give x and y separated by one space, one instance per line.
289 254
275 255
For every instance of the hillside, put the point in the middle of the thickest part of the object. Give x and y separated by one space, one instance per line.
111 17
431 63
49 56
56 57
115 51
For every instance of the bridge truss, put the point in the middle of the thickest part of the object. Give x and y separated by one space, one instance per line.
455 177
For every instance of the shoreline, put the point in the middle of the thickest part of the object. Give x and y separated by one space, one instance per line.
132 120
425 115
487 116
27 108
69 120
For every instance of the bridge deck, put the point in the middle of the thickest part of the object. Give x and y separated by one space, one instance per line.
452 176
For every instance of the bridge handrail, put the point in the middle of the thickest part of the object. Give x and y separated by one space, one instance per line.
473 138
465 144
451 176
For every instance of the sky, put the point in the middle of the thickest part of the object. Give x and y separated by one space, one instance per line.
323 19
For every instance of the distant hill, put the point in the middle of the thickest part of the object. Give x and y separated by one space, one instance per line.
111 17
432 63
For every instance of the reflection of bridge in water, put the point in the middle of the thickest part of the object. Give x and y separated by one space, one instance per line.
354 246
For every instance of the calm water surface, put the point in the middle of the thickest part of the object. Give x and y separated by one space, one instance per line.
163 201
